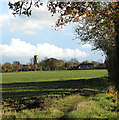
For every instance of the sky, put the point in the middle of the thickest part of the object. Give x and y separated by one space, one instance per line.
23 37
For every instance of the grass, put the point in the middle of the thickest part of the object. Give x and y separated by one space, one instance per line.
57 94
94 107
38 76
29 84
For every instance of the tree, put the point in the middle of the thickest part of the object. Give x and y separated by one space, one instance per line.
40 68
72 64
31 61
95 63
16 66
98 24
61 65
99 65
31 67
85 61
0 68
69 64
8 66
4 69
75 62
35 67
51 63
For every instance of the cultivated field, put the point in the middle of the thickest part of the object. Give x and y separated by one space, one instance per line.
57 94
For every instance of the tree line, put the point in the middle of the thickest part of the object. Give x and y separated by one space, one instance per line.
49 64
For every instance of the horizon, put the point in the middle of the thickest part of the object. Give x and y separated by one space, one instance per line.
99 61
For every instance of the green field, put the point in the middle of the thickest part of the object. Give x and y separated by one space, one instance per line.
41 76
42 83
57 94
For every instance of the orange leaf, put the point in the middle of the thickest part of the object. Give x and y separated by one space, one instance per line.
108 93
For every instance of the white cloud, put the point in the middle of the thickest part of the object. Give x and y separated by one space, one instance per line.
42 15
29 32
3 19
19 48
0 25
29 25
86 46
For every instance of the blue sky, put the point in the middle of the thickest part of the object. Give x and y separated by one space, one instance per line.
23 37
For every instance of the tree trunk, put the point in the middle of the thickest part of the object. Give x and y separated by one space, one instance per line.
117 55
113 59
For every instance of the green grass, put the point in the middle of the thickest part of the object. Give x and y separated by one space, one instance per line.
38 76
94 107
57 94
42 83
72 106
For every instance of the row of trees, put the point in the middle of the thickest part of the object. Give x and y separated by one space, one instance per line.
47 64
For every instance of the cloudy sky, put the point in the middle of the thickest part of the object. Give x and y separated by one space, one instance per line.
22 37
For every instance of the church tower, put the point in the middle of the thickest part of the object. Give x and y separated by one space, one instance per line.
36 59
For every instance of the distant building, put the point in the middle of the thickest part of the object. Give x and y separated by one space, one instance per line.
86 66
36 59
